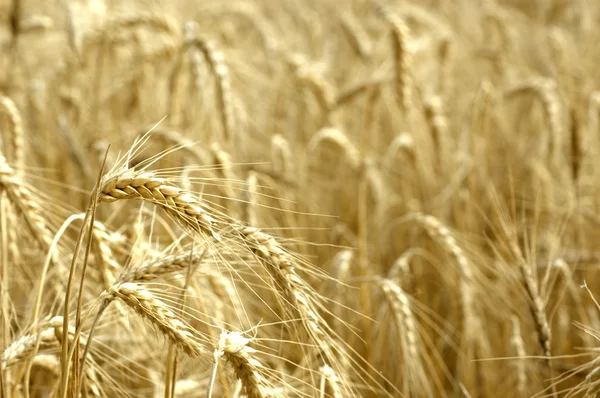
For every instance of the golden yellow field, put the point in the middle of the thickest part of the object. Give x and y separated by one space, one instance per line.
299 198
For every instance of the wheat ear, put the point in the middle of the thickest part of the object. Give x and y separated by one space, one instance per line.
23 198
24 347
234 348
519 349
216 61
402 57
330 382
15 130
336 137
159 315
281 157
161 266
129 184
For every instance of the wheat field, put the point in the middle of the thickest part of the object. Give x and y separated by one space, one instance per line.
299 198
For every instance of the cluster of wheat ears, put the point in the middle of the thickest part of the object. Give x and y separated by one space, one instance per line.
316 198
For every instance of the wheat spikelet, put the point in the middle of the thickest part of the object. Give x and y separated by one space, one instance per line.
159 267
438 125
537 308
25 201
336 137
402 57
109 265
222 160
23 347
472 328
307 75
234 348
298 294
519 348
407 327
330 382
281 157
216 61
129 184
546 90
9 110
251 206
159 315
403 142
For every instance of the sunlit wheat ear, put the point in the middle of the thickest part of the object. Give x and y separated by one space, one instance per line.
415 376
162 266
251 205
329 383
121 184
402 57
216 61
16 134
308 76
403 143
22 348
224 166
519 349
336 137
438 124
159 315
537 308
27 204
234 348
281 157
442 235
109 265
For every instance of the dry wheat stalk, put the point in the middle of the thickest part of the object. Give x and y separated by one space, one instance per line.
234 348
347 94
9 110
159 315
